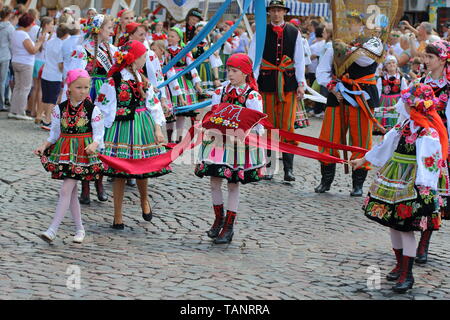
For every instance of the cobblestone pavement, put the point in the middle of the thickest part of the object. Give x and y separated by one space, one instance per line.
290 243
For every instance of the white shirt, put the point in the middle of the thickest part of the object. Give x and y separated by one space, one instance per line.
53 56
68 48
18 51
316 49
299 58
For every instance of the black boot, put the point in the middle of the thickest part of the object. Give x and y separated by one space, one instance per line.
395 273
226 235
358 177
328 171
218 222
406 279
101 194
288 166
422 248
85 190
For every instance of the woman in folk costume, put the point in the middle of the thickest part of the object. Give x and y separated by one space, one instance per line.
133 121
186 82
95 55
70 152
224 160
411 154
437 61
173 89
389 85
124 17
208 69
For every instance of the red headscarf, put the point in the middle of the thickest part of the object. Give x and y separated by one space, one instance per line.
243 62
229 22
129 29
127 54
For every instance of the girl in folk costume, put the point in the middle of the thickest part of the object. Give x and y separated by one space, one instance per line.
70 151
437 61
389 85
209 69
133 120
193 17
224 160
227 49
173 90
411 154
95 55
124 17
158 31
186 82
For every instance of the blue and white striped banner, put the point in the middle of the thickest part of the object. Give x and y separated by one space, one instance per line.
301 8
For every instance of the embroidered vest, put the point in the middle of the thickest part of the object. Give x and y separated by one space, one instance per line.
73 122
274 50
128 98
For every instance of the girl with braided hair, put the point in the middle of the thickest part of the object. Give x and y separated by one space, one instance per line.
404 195
133 121
437 61
95 55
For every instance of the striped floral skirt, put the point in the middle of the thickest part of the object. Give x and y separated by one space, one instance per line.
205 73
387 118
67 158
133 139
235 162
223 68
444 191
301 117
171 117
396 202
189 94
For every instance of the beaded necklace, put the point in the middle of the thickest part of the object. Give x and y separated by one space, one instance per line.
76 116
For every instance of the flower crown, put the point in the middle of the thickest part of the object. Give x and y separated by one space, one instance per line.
124 55
444 49
94 24
421 97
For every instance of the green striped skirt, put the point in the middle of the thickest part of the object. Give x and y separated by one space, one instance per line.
205 73
189 94
235 162
96 83
133 139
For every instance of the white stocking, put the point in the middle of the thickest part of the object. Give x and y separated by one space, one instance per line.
396 239
65 195
233 197
409 244
75 209
216 191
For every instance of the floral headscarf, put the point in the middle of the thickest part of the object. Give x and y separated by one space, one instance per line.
444 54
94 24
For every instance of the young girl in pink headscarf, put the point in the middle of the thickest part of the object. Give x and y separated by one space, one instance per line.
70 153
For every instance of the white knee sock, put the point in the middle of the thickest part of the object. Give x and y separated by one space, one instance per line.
233 197
65 195
216 191
409 244
75 209
396 239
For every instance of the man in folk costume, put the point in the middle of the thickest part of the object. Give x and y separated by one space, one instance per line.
356 72
281 75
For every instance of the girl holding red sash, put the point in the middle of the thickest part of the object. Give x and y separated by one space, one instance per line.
220 159
404 195
70 151
133 121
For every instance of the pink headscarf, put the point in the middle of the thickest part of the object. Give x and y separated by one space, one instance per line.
74 74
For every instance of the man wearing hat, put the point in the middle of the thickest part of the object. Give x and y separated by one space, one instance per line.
281 75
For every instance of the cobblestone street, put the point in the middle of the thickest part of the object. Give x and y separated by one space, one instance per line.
289 242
